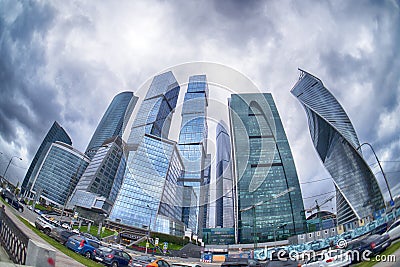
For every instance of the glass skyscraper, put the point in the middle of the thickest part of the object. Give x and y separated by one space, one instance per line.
113 122
150 195
59 173
155 113
224 179
357 192
193 147
99 185
263 171
56 133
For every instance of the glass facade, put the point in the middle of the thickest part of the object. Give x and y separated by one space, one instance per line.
99 185
59 173
113 122
335 140
224 181
219 236
155 113
193 147
56 133
263 170
149 194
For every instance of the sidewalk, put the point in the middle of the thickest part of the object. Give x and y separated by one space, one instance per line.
62 260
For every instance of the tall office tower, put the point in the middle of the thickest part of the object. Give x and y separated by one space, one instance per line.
114 121
269 204
193 143
59 173
149 194
335 140
155 113
99 185
56 133
224 180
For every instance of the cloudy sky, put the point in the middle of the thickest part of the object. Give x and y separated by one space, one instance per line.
65 60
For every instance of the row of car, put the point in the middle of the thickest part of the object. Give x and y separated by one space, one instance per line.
341 250
92 248
11 199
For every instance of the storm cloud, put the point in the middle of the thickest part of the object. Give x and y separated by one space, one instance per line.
66 60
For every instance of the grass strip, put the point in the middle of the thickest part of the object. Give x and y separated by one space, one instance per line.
60 247
389 251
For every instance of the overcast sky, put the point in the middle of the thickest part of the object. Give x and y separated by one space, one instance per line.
66 60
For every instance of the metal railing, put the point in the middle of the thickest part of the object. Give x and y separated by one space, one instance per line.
12 239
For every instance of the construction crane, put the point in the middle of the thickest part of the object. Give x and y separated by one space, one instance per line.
318 208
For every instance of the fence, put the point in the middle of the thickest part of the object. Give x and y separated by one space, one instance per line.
12 239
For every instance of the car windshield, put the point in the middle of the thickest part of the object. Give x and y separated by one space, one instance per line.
77 237
105 249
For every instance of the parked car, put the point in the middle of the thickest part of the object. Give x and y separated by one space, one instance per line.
87 235
112 257
45 225
38 211
82 245
374 243
147 261
379 230
240 262
11 199
394 230
330 258
61 235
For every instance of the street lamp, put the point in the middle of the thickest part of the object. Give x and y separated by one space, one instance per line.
253 207
148 232
380 166
8 165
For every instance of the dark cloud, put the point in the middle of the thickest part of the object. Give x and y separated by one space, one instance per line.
24 92
65 61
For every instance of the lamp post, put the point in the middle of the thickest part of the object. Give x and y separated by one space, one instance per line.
380 166
253 207
148 229
8 165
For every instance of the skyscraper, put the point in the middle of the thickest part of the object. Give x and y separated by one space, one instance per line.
268 201
335 140
59 173
224 178
150 194
56 133
193 145
99 185
113 122
155 113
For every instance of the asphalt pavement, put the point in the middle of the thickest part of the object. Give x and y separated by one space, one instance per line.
61 259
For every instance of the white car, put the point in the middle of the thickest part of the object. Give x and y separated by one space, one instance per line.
330 258
394 230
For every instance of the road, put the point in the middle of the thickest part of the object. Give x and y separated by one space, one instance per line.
61 258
